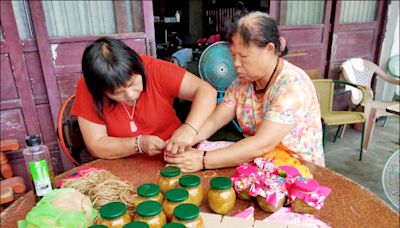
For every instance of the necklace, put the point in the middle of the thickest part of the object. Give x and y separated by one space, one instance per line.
131 122
270 79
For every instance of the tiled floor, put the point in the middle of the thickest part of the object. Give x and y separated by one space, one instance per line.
342 156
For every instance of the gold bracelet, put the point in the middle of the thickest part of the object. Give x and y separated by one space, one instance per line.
194 129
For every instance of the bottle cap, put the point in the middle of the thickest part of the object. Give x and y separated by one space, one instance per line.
149 208
170 171
112 210
177 195
221 183
173 225
32 140
148 190
136 224
186 211
189 181
98 226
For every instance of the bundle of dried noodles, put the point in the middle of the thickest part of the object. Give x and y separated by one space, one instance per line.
102 187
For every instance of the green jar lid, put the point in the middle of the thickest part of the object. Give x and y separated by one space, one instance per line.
112 210
189 181
136 224
186 212
98 226
221 183
149 208
148 190
170 171
173 225
177 195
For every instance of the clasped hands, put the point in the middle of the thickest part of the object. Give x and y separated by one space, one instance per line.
177 150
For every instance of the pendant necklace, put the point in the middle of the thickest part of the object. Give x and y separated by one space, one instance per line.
130 115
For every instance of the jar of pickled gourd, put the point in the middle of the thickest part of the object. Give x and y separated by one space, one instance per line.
151 213
148 191
137 224
174 225
169 178
114 215
221 196
188 214
173 198
193 185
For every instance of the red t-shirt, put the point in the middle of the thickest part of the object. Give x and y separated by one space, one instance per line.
154 112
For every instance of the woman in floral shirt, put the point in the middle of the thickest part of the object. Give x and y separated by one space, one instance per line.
274 102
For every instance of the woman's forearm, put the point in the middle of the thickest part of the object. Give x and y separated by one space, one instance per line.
203 104
112 148
245 150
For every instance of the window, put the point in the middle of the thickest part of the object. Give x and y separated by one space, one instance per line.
23 19
358 11
77 18
295 12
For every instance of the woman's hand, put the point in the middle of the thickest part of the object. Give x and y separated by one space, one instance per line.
189 161
181 139
151 144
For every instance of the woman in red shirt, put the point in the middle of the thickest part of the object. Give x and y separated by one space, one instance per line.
124 102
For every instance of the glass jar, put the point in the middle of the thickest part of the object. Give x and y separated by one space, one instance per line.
114 215
174 225
147 192
151 213
188 215
193 185
98 226
173 198
137 224
244 195
267 207
221 196
169 178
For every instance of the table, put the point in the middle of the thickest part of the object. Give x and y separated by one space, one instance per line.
349 204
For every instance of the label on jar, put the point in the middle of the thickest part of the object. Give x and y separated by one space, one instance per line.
40 177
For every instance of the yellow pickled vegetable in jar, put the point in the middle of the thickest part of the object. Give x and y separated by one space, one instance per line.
193 185
169 178
221 196
173 198
151 213
148 191
114 215
188 214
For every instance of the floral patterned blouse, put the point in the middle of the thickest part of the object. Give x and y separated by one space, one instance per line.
290 100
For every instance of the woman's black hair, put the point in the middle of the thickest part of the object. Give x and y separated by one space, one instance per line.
258 28
108 64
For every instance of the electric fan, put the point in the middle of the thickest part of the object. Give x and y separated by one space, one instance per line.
216 67
390 179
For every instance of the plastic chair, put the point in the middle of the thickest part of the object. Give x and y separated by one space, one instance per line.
70 136
362 72
325 91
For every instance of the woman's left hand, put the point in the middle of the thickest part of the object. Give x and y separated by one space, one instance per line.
182 138
189 161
